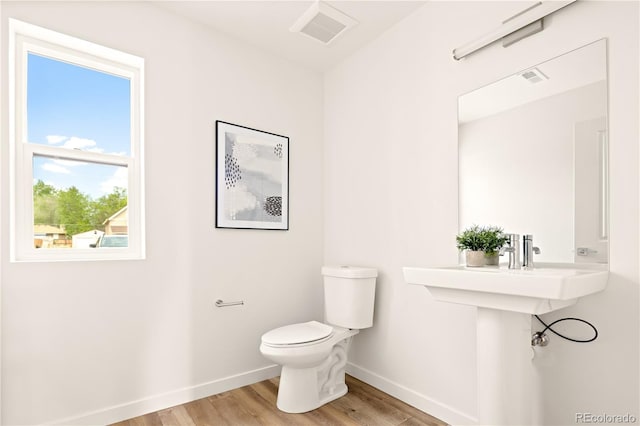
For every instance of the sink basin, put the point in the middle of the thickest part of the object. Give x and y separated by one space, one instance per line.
549 287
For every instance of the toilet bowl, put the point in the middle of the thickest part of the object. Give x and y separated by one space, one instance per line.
312 367
313 355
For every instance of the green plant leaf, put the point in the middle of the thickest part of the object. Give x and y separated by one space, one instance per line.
478 238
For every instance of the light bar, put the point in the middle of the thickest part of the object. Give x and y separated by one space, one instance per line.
522 19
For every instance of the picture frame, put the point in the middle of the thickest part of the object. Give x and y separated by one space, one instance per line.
252 178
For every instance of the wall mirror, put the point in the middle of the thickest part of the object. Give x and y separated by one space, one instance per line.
533 156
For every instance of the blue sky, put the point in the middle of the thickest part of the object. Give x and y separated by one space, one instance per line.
77 108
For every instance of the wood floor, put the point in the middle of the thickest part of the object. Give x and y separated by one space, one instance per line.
256 405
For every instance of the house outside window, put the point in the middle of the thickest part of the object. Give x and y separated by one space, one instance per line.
76 145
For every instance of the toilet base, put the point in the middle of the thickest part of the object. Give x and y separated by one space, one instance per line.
292 399
305 389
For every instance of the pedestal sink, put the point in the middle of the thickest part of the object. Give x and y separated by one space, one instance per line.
506 299
548 287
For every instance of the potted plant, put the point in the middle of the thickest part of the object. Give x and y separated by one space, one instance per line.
494 239
481 244
472 241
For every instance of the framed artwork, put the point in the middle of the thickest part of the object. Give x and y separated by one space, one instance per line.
252 178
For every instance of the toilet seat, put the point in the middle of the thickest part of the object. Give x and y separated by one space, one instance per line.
300 334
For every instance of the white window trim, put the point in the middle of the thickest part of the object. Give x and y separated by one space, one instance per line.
25 38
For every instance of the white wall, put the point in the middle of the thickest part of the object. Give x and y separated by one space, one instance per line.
142 335
391 201
72 346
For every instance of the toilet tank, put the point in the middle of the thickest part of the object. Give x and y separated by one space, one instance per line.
349 294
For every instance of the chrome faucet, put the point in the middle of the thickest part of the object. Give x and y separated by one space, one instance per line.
513 248
527 251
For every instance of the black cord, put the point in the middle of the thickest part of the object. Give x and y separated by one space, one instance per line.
548 327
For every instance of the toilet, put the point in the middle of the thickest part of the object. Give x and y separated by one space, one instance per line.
313 355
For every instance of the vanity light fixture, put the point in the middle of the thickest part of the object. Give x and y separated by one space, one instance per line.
525 21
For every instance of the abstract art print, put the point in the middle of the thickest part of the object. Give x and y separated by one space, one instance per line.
252 178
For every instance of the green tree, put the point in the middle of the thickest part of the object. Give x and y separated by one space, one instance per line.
74 211
45 203
40 189
105 206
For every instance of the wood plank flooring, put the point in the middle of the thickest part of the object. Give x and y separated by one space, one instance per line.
256 405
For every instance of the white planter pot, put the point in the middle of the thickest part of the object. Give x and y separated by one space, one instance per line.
475 258
491 259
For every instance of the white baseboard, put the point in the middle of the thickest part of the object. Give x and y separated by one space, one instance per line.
137 408
411 397
159 402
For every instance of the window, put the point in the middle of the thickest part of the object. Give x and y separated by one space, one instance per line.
76 116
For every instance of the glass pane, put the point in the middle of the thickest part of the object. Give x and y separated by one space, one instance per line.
78 204
77 108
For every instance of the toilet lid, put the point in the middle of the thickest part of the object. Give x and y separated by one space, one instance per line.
296 334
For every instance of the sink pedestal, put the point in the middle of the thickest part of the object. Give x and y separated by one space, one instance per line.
506 385
506 299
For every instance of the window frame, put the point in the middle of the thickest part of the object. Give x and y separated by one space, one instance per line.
26 38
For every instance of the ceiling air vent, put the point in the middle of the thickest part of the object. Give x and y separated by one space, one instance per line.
323 23
534 75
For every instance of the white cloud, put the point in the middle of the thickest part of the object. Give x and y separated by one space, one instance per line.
54 139
83 144
120 179
69 163
55 168
75 142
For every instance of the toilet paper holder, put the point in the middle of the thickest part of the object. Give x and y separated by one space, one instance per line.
221 303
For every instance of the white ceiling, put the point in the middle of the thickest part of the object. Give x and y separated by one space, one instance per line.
265 24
